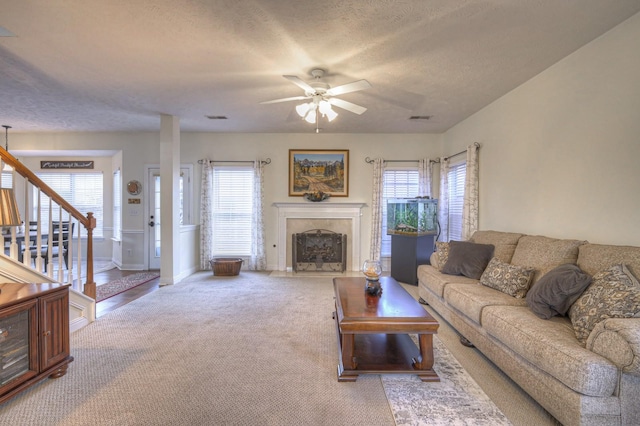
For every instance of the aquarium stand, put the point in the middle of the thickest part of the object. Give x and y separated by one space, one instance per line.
407 253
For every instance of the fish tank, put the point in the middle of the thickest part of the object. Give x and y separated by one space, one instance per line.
412 216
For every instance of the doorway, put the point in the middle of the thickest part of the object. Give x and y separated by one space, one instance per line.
154 222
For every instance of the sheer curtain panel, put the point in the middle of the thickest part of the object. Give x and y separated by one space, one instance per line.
470 209
258 261
206 219
424 177
443 202
376 209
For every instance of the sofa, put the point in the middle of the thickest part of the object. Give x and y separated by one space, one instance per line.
582 376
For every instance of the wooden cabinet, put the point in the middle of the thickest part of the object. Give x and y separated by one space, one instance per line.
34 335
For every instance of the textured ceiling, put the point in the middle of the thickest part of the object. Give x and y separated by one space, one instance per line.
116 65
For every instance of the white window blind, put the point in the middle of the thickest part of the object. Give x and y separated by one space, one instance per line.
232 208
457 174
7 179
117 205
84 191
397 184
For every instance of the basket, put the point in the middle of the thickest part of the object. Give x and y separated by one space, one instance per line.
226 266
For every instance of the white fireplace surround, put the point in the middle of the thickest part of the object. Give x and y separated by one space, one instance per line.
326 210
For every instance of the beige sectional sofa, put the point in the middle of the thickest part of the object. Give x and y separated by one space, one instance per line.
596 382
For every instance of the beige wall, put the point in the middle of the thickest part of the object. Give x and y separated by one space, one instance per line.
560 153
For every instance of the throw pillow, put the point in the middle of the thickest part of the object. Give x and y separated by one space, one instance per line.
557 290
442 252
468 259
613 293
509 279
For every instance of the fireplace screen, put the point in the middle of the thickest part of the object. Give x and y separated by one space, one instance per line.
319 250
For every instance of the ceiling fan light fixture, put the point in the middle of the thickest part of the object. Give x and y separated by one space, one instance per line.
302 109
331 114
324 107
311 116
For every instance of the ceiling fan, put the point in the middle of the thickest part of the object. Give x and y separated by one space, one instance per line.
322 97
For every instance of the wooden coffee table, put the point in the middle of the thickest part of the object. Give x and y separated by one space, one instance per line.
373 331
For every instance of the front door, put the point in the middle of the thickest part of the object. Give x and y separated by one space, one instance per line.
154 220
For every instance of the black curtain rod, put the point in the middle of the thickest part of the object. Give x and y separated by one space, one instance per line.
369 160
477 145
267 161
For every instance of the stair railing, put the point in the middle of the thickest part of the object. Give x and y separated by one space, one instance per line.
36 241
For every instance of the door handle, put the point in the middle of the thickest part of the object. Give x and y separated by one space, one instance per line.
151 222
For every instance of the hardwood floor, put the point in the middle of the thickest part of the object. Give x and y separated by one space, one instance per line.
123 298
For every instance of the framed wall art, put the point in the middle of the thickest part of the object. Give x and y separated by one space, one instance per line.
325 170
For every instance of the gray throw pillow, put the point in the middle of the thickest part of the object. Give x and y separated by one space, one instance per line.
557 290
468 259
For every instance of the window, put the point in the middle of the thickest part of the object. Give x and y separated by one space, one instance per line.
232 210
457 174
7 179
397 184
82 190
117 205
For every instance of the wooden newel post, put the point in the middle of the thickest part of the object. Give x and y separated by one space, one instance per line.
90 285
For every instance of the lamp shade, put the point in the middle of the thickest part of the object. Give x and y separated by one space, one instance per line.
9 213
302 109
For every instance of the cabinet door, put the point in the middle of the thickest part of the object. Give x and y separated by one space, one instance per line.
54 328
18 345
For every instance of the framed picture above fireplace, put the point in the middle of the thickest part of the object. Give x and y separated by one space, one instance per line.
325 170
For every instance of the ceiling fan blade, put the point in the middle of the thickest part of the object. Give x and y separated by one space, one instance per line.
295 98
356 109
300 83
349 87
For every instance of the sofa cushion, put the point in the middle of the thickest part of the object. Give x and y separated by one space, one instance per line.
472 299
430 278
544 253
551 346
509 279
557 290
613 293
593 258
468 259
504 242
442 254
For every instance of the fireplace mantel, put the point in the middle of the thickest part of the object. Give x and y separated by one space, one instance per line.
324 210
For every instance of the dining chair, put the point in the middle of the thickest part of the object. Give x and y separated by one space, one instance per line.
57 247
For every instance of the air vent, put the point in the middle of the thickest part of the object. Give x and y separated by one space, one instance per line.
420 117
216 117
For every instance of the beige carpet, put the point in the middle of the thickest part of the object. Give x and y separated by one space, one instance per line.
168 358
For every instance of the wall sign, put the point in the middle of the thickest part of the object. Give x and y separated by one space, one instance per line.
66 164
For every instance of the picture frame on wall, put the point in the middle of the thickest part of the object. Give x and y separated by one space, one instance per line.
325 170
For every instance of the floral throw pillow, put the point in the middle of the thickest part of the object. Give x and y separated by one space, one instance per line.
613 293
509 279
442 251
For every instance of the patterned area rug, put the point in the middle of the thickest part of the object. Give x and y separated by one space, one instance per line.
110 289
455 400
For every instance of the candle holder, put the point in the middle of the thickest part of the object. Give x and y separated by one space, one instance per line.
372 270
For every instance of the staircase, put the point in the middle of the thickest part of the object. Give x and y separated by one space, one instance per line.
28 265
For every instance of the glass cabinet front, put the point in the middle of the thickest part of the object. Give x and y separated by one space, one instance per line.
17 340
